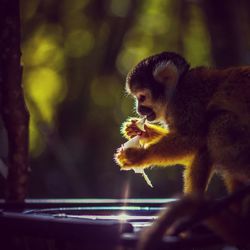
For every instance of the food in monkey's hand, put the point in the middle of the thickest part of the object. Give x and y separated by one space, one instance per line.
139 170
134 142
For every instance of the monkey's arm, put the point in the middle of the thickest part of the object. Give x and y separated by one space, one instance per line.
169 150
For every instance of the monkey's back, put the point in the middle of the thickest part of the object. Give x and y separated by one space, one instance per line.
233 94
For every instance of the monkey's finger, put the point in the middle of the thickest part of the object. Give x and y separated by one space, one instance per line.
132 127
131 134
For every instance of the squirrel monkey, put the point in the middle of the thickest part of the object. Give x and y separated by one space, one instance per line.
207 112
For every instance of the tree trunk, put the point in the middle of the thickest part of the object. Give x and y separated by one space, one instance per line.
13 108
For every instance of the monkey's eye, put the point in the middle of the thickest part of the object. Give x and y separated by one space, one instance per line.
141 98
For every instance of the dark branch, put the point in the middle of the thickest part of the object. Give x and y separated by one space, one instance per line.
13 108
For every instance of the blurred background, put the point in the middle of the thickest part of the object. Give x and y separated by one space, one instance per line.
76 54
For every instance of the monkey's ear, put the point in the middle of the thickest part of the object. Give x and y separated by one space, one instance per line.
166 72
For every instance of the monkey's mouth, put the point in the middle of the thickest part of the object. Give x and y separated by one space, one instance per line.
147 112
151 116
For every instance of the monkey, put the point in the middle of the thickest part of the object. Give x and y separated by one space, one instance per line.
207 112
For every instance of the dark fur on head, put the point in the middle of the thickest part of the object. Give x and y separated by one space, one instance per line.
141 76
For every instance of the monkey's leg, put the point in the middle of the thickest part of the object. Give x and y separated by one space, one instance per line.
196 176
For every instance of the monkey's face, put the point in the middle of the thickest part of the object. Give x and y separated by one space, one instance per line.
149 106
152 83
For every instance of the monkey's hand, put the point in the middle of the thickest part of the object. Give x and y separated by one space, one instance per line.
149 132
130 129
130 158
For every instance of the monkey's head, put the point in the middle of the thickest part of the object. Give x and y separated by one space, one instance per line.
152 83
